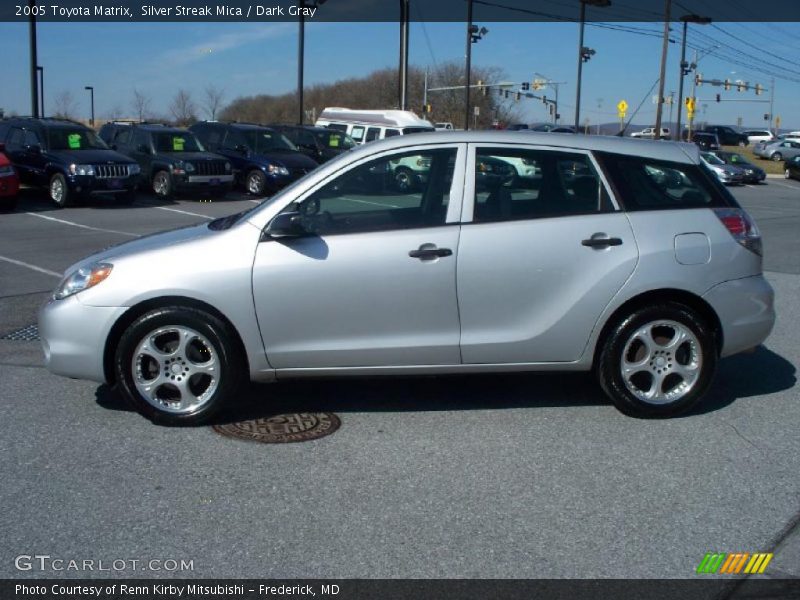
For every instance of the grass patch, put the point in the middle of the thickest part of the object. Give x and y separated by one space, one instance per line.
770 166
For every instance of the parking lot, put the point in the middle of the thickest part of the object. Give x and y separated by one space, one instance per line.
493 476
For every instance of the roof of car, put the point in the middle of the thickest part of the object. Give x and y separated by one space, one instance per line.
47 121
658 150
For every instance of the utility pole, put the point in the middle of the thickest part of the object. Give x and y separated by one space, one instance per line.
469 65
671 103
404 25
425 89
34 59
664 50
772 105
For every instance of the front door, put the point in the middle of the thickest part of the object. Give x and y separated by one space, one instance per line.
373 282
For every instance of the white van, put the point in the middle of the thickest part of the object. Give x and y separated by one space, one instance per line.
369 125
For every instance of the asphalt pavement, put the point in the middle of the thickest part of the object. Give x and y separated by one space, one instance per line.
492 476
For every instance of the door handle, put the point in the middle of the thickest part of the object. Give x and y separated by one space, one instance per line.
602 242
430 253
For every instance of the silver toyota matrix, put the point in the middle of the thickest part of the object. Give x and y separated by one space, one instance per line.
457 252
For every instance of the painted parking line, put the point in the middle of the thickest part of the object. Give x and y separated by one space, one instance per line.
786 185
184 212
82 226
30 266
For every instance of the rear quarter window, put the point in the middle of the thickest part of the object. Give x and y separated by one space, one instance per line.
646 184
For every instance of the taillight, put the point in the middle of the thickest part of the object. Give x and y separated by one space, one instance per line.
742 228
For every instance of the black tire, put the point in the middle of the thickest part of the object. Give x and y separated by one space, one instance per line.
609 364
404 179
742 143
162 185
255 182
787 174
58 190
777 157
222 349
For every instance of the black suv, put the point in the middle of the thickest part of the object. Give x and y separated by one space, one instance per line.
172 159
263 159
727 136
320 143
68 158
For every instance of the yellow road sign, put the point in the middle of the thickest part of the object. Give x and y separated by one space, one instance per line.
622 106
778 121
690 104
621 115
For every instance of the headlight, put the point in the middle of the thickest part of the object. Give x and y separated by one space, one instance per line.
82 279
189 167
277 170
81 169
134 169
228 167
6 170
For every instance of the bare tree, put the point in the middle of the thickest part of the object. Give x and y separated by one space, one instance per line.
183 108
213 100
64 105
141 104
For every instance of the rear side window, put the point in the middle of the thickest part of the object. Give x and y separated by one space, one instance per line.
373 133
646 184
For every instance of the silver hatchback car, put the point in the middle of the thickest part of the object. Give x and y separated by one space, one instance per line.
619 256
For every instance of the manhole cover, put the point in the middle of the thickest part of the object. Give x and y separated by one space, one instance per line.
282 429
29 333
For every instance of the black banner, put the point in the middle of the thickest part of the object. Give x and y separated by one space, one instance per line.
253 589
389 10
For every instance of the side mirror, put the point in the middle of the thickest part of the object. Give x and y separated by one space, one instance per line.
286 225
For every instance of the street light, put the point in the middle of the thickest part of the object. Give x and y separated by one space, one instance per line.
91 92
404 26
474 35
33 57
303 4
584 53
41 89
686 68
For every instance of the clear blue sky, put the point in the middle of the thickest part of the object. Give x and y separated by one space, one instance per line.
247 59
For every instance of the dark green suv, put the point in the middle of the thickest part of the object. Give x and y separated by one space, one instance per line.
173 159
68 158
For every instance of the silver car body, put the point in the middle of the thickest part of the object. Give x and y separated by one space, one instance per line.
515 295
787 148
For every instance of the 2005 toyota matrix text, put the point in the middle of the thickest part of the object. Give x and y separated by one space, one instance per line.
624 257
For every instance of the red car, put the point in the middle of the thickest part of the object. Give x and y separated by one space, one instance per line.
9 183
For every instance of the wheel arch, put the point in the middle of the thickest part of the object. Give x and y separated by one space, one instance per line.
688 299
136 311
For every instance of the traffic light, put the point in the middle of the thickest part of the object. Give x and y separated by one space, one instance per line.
526 86
427 109
727 85
759 89
544 99
741 86
518 97
719 98
698 79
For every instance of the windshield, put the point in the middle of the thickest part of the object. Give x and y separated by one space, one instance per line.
335 139
711 159
261 141
408 130
62 138
183 141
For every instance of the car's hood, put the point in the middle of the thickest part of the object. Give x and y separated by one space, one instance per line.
289 159
90 157
154 241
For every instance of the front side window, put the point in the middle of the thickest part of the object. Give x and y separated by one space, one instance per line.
30 139
515 184
262 141
404 191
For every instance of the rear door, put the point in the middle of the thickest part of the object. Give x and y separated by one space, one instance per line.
540 255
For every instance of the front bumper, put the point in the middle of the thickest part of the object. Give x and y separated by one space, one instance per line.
202 182
73 337
746 310
88 184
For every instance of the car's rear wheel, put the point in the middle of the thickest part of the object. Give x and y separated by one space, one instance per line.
404 179
777 157
787 174
162 184
178 365
742 143
59 191
256 182
658 361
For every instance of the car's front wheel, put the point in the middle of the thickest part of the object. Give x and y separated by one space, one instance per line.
178 365
658 361
59 191
256 182
777 157
162 184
